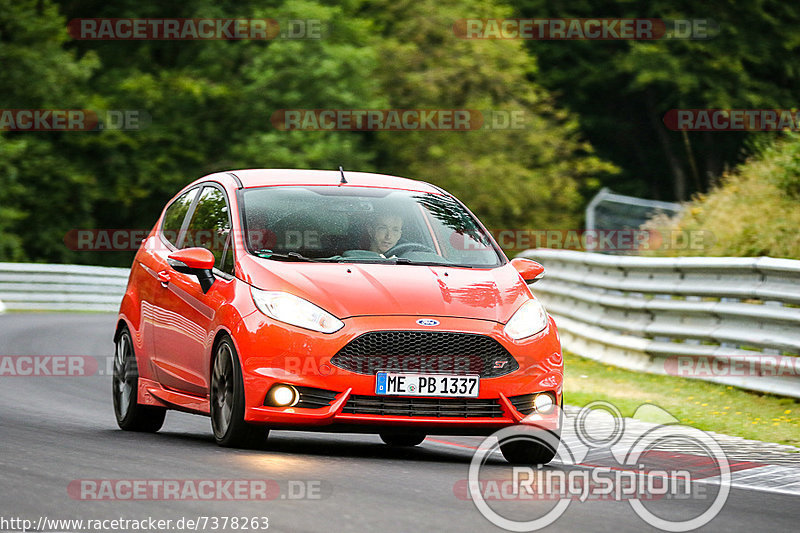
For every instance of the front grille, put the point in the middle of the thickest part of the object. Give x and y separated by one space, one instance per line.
425 351
523 404
423 407
312 398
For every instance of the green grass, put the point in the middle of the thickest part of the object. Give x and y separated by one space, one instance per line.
707 406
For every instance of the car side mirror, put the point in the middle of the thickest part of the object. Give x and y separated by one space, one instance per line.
531 271
196 262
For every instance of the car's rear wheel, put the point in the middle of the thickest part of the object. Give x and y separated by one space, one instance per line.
131 416
227 401
402 439
530 450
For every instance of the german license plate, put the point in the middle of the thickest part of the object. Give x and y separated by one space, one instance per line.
390 383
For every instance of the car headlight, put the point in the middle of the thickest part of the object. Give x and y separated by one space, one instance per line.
530 318
293 310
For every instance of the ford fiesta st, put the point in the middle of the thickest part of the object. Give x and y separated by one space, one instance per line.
333 301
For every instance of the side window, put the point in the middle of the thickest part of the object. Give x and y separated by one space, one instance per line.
210 228
176 212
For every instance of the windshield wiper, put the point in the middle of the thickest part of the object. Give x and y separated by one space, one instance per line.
406 261
381 261
291 256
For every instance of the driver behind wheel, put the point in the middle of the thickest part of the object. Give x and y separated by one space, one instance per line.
384 231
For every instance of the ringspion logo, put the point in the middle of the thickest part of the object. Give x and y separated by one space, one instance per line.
642 466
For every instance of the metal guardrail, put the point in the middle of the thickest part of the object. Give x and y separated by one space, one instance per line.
738 315
609 210
41 287
729 320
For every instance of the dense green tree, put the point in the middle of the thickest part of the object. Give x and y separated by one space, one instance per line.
43 191
206 106
207 103
524 178
211 101
621 89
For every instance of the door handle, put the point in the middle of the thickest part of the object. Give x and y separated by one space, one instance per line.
163 277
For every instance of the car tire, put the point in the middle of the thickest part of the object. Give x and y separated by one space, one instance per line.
227 401
402 439
530 450
130 415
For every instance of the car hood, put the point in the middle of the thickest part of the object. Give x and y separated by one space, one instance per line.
357 289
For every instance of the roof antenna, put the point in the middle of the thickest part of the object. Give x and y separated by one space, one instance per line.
341 171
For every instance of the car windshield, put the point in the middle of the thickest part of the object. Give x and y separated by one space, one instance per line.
363 224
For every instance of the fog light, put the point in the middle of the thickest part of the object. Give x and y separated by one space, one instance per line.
544 402
282 396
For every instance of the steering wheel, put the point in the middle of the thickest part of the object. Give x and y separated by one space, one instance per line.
405 247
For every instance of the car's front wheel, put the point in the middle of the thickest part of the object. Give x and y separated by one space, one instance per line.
530 450
131 416
227 401
402 439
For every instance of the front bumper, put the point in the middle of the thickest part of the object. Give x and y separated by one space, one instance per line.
277 353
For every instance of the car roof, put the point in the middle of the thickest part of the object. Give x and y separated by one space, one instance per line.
262 177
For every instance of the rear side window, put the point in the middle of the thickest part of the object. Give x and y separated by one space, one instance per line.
175 214
210 228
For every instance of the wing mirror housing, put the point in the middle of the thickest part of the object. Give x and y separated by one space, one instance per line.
196 262
531 271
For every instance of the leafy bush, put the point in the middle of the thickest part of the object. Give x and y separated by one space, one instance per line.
787 158
754 211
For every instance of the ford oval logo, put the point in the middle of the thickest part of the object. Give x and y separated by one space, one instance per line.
427 322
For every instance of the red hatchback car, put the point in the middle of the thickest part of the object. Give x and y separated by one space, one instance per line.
333 301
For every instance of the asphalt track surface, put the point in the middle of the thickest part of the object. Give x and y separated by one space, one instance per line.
56 430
